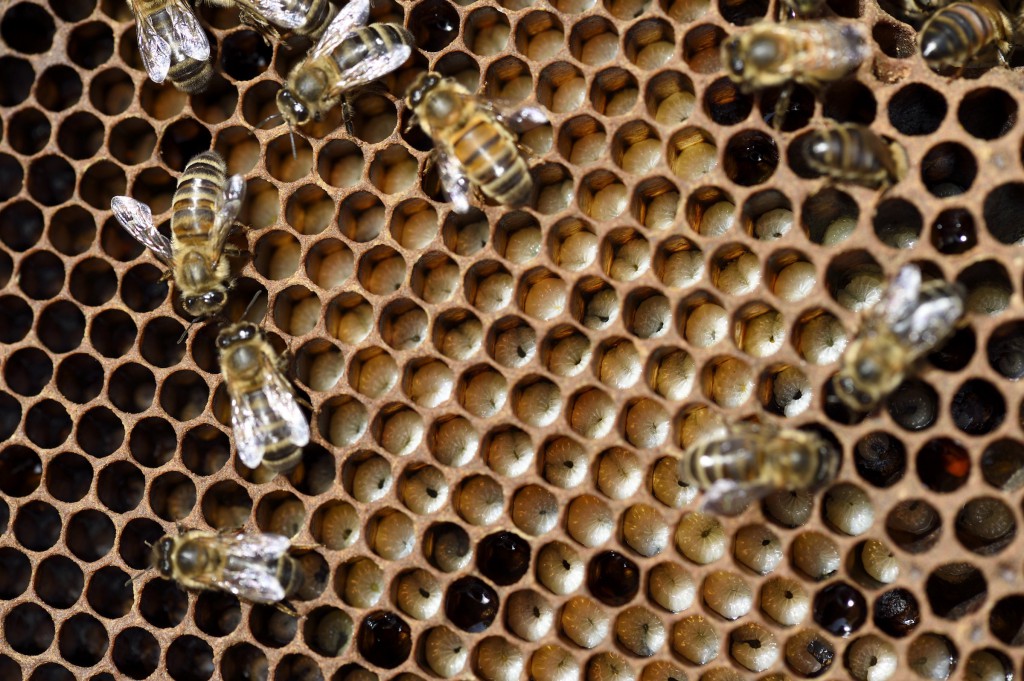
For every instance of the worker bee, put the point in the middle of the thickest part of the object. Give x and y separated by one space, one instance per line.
474 142
172 44
268 426
752 460
255 567
301 17
912 318
205 206
848 152
966 32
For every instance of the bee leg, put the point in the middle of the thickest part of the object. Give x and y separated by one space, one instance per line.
782 107
347 115
167 274
286 608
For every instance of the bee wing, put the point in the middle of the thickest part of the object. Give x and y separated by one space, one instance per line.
902 295
279 12
231 205
454 180
187 32
373 68
253 411
728 497
920 321
523 119
351 16
251 567
154 47
137 219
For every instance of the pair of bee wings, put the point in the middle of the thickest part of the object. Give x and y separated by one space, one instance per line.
250 570
920 315
256 415
168 34
281 13
453 177
730 497
137 219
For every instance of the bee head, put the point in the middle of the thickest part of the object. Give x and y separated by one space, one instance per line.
162 552
205 304
237 334
420 87
292 109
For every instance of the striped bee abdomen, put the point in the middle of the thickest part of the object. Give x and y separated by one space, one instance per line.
490 157
956 34
198 196
280 453
367 43
851 153
187 74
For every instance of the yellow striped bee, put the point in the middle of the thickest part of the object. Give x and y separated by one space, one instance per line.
269 427
753 460
474 143
205 206
172 43
854 153
966 32
255 567
302 17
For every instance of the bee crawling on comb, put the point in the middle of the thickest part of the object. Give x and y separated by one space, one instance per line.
270 17
847 152
172 44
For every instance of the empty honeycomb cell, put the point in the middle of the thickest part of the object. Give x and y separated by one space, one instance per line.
1005 620
977 407
90 535
955 590
82 640
159 102
93 282
593 41
90 44
272 627
60 87
37 526
17 572
735 270
183 395
73 229
917 109
21 470
12 175
987 113
155 187
131 388
692 153
894 40
100 432
80 378
142 289
751 157
186 137
955 353
132 141
47 423
943 465
435 24
101 182
1000 210
152 442
349 318
28 131
245 55
701 48
948 169
21 225
81 135
849 101
27 371
59 581
51 180
16 316
725 104
226 505
28 629
172 496
10 415
121 486
205 450
217 613
136 653
190 658
27 28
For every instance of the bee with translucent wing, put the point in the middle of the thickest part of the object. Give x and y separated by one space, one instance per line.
268 425
964 33
475 145
172 44
854 153
255 567
204 209
913 318
302 17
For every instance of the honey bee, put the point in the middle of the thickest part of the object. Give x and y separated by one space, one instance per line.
172 44
966 32
474 142
848 152
912 318
268 426
255 567
301 17
752 460
205 206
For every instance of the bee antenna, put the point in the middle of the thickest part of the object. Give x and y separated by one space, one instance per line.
184 334
269 118
291 138
252 302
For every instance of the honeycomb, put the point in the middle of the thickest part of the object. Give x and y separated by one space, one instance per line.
494 395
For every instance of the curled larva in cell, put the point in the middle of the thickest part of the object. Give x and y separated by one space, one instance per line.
848 509
607 203
823 339
700 537
774 224
440 282
629 260
871 658
484 393
454 441
695 639
754 647
932 656
647 424
728 594
559 568
529 615
429 384
373 375
470 238
609 667
662 209
565 462
764 335
509 452
332 633
337 526
620 364
494 292
393 535
669 487
364 583
448 547
423 489
385 276
809 653
785 601
351 325
287 518
401 431
680 268
590 521
585 622
757 548
577 250
816 555
663 671
732 382
790 508
671 586
480 500
404 330
418 594
988 297
601 309
620 472
861 291
701 424
534 510
739 275
792 392
839 230
522 244
652 317
706 325
795 281
546 298
445 652
988 665
718 218
515 347
462 340
592 414
640 631
879 561
498 660
722 674
644 530
538 403
570 354
349 420
371 479
553 663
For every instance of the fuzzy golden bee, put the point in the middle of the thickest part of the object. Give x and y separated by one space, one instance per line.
475 145
913 318
172 44
965 33
853 153
269 427
749 461
206 203
255 567
270 17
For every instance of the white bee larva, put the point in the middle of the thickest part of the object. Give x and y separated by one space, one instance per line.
695 161
523 244
700 537
592 413
722 674
609 667
484 393
607 203
440 282
644 530
393 535
823 339
364 583
652 317
668 485
510 452
569 355
815 555
680 267
620 473
601 309
879 561
348 423
499 660
663 671
695 639
481 501
371 479
647 424
430 384
740 275
754 647
871 658
553 663
418 594
988 298
384 276
732 382
718 218
675 108
848 509
660 212
538 403
628 260
785 601
764 335
423 489
728 594
701 424
791 391
758 548
448 547
640 631
336 525
795 281
838 231
585 622
671 586
707 325
809 653
559 568
774 224
932 657
577 250
790 508
462 340
401 432
404 330
470 238
528 615
590 521
671 373
454 441
861 291
565 462
988 665
545 299
287 518
373 374
494 292
620 365
445 652
515 347
534 510
351 325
